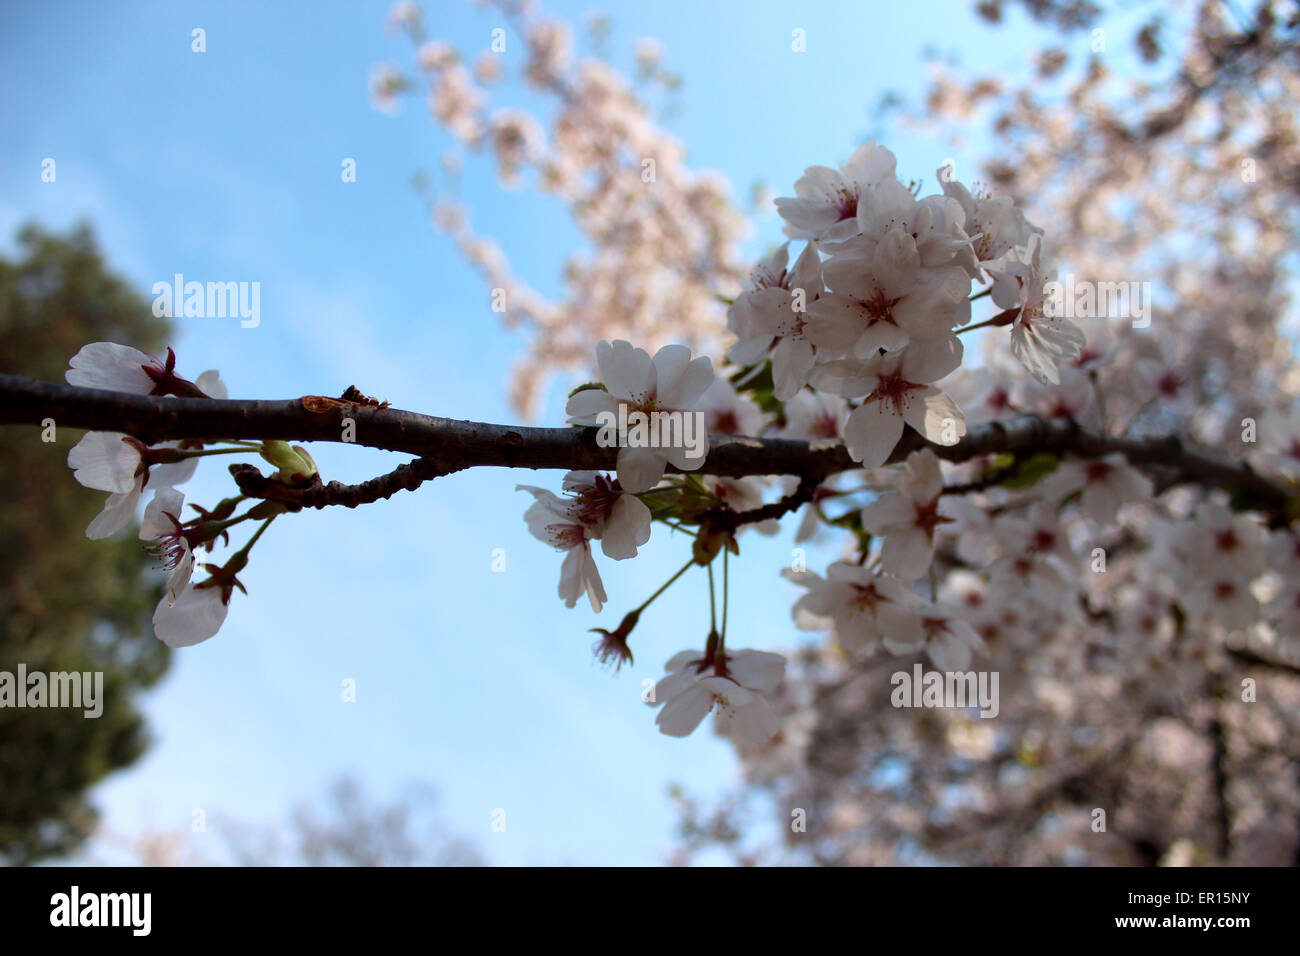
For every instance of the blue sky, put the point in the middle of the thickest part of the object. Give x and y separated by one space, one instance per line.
225 166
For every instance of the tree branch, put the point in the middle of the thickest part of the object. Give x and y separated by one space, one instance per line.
448 445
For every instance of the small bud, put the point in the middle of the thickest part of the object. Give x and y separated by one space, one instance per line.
296 466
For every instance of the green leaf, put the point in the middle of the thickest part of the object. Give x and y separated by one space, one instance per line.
1032 470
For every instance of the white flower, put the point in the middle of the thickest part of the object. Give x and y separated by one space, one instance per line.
826 206
897 390
1037 562
109 461
596 508
1070 397
551 519
995 225
1279 433
773 318
621 521
1037 533
162 525
1105 484
812 416
1039 339
403 15
938 629
727 412
857 602
734 684
1219 544
909 517
882 294
670 382
1222 597
118 368
193 616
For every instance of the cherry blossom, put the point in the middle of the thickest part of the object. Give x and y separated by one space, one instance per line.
733 685
112 462
670 382
778 309
162 526
856 602
896 389
938 629
551 519
825 204
1039 339
1104 484
908 518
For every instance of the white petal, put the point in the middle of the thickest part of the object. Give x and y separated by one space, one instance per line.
757 670
108 365
683 713
894 510
583 407
197 615
119 509
156 524
791 362
907 554
640 469
871 433
625 370
752 724
929 361
935 415
103 461
626 529
681 384
210 384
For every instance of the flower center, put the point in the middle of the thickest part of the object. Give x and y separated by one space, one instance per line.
893 388
928 517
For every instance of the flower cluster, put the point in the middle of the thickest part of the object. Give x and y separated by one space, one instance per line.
189 612
869 310
856 336
851 341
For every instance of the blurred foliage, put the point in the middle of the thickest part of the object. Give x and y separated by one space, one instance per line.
66 603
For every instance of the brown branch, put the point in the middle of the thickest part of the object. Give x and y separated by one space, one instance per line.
724 519
406 477
1247 656
449 445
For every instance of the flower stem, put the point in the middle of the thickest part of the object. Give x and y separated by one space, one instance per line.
664 587
248 545
216 451
726 595
980 325
713 616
